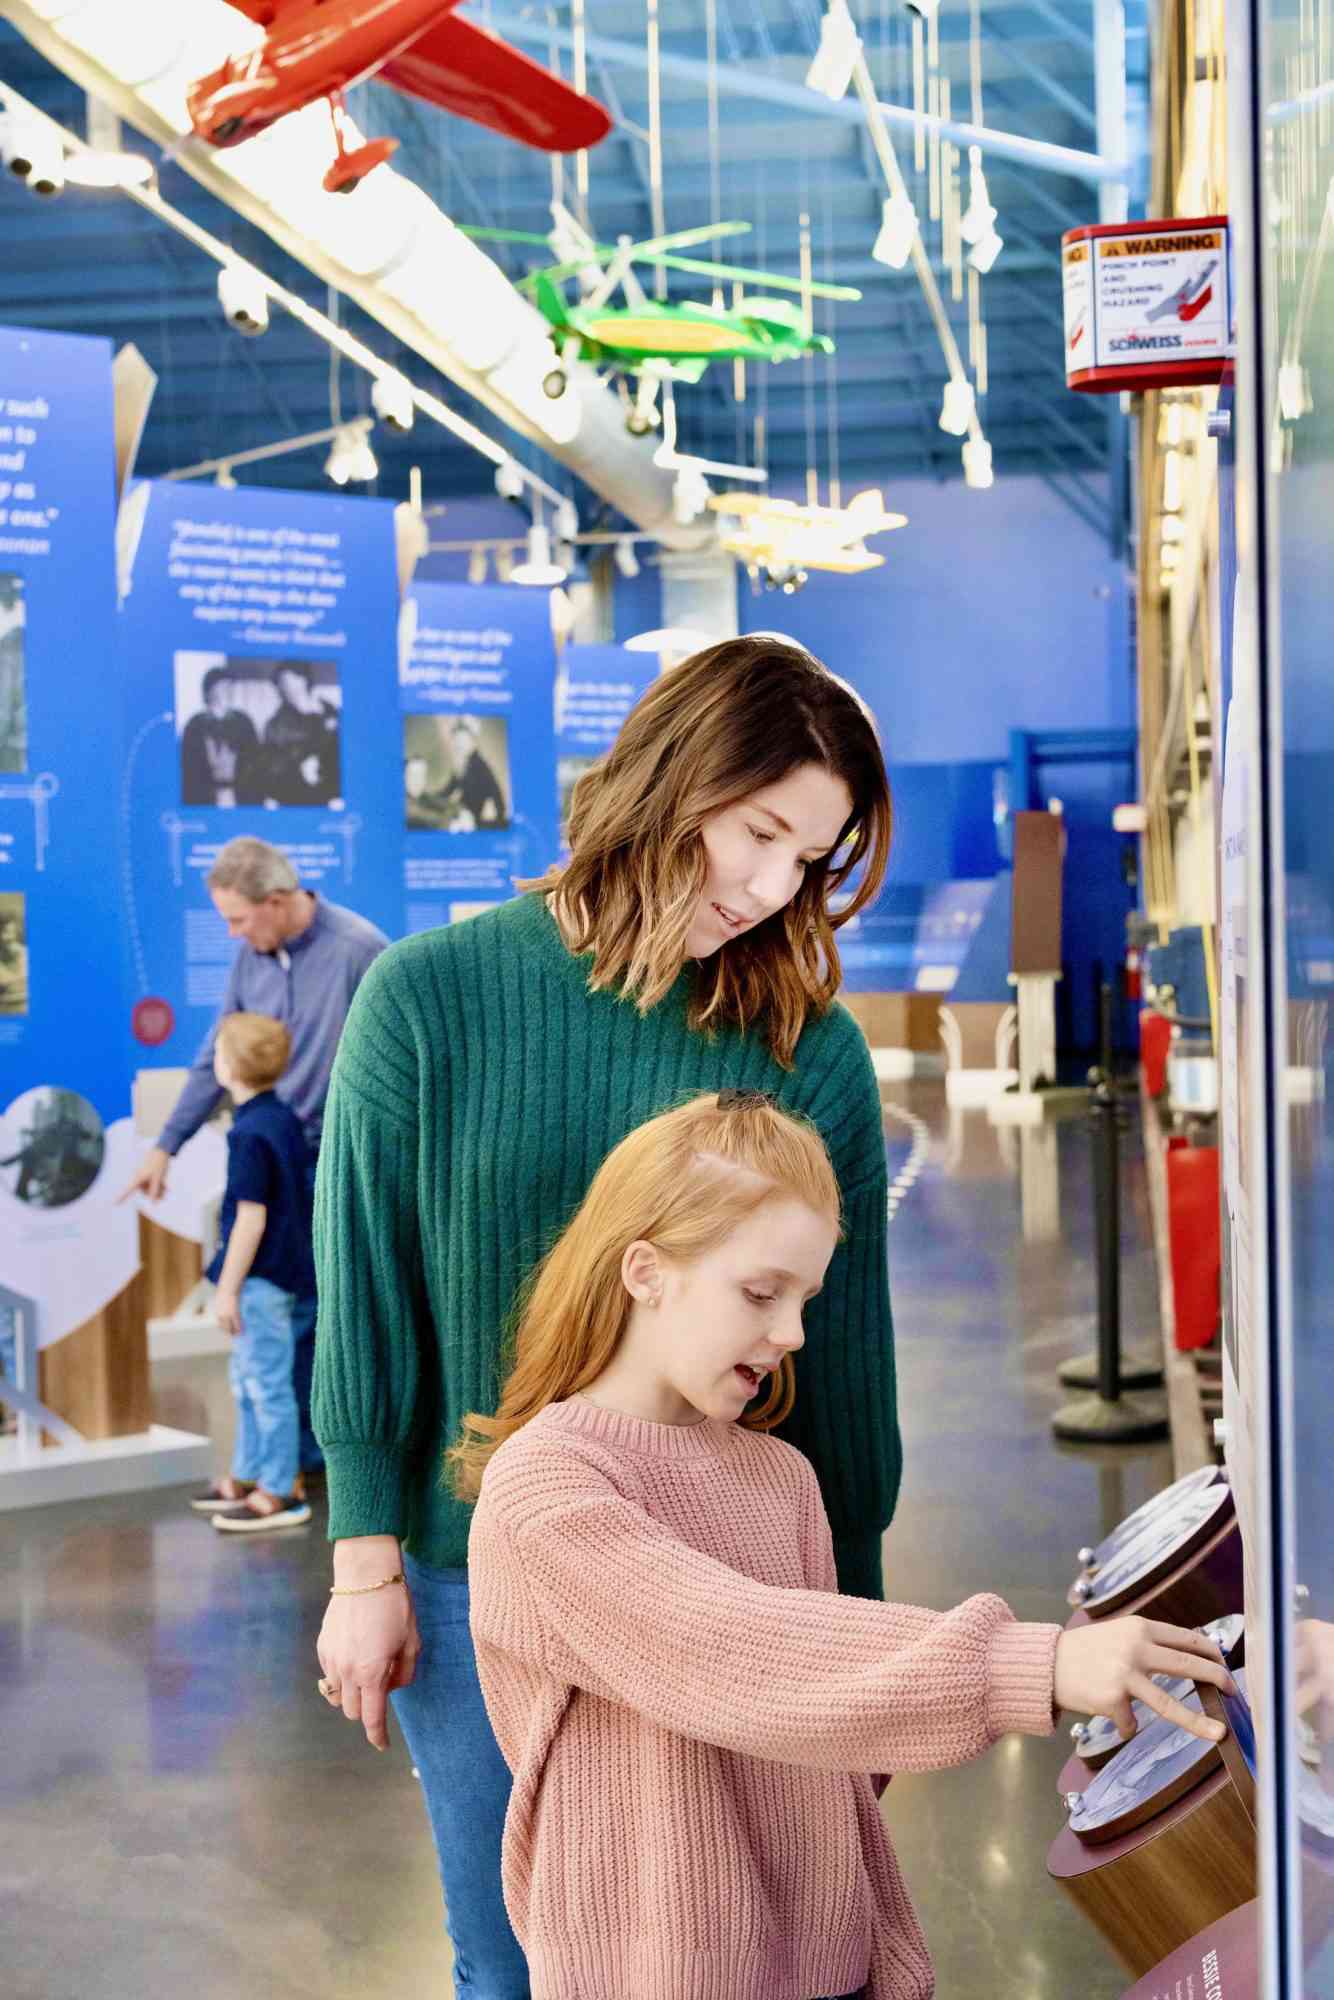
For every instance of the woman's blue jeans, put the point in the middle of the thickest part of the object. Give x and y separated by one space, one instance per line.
466 1784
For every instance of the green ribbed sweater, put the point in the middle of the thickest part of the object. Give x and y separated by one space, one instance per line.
477 1088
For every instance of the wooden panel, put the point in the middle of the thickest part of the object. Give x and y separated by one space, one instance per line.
1035 930
897 1020
172 1267
97 1376
978 1021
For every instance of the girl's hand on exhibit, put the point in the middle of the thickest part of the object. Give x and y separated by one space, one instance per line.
1103 1666
368 1643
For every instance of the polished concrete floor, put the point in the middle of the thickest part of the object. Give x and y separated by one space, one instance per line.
181 1818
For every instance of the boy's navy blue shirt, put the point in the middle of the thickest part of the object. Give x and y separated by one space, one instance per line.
267 1162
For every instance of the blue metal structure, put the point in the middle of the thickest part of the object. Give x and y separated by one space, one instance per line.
93 263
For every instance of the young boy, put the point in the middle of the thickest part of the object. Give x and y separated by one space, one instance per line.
263 1267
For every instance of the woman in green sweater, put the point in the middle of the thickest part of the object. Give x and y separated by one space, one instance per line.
485 1072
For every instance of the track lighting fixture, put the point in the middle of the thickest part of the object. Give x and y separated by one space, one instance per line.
958 406
831 70
538 568
898 232
351 460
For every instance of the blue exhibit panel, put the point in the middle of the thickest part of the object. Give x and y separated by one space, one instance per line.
61 1026
258 640
477 800
596 689
917 937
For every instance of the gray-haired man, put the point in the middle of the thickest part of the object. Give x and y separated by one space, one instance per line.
301 960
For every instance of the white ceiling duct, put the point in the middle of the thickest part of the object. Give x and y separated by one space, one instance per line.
388 246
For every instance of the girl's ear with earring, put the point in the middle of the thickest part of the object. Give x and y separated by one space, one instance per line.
641 1274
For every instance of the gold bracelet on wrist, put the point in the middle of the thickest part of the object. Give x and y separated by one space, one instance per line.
363 1589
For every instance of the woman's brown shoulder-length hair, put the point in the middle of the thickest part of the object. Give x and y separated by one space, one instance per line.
723 725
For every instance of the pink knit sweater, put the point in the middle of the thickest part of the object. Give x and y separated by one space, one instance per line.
691 1714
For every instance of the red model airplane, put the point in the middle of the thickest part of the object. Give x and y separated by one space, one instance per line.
320 48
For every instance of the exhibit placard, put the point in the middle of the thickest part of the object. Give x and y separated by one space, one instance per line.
477 800
65 1248
596 688
259 652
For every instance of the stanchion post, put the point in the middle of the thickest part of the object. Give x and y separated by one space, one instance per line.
1108 1416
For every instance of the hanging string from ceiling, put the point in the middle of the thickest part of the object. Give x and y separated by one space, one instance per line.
831 361
657 205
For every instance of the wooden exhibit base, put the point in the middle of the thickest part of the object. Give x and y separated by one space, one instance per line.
96 1378
1152 1889
903 1031
172 1266
1162 1842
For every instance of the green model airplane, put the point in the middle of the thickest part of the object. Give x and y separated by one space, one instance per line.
653 339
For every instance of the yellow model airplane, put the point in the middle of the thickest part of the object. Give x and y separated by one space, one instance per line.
782 539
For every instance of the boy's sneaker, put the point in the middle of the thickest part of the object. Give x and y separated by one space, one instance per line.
243 1520
212 1500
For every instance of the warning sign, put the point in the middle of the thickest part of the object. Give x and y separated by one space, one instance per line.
1146 304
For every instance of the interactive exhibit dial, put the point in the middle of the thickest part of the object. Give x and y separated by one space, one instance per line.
1161 1842
1178 1558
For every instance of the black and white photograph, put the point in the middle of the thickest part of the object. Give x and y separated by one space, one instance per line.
456 773
52 1144
13 952
13 675
258 732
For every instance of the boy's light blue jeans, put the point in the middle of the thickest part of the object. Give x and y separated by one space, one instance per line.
260 1371
466 1785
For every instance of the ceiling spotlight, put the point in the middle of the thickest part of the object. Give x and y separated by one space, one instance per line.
351 460
958 406
979 217
244 298
565 521
94 169
477 565
509 480
925 8
504 563
984 254
831 70
391 400
898 232
538 568
678 641
627 562
225 477
977 470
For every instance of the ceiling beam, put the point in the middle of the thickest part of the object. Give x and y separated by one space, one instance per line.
744 82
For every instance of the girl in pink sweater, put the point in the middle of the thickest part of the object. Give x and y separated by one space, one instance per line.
691 1712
